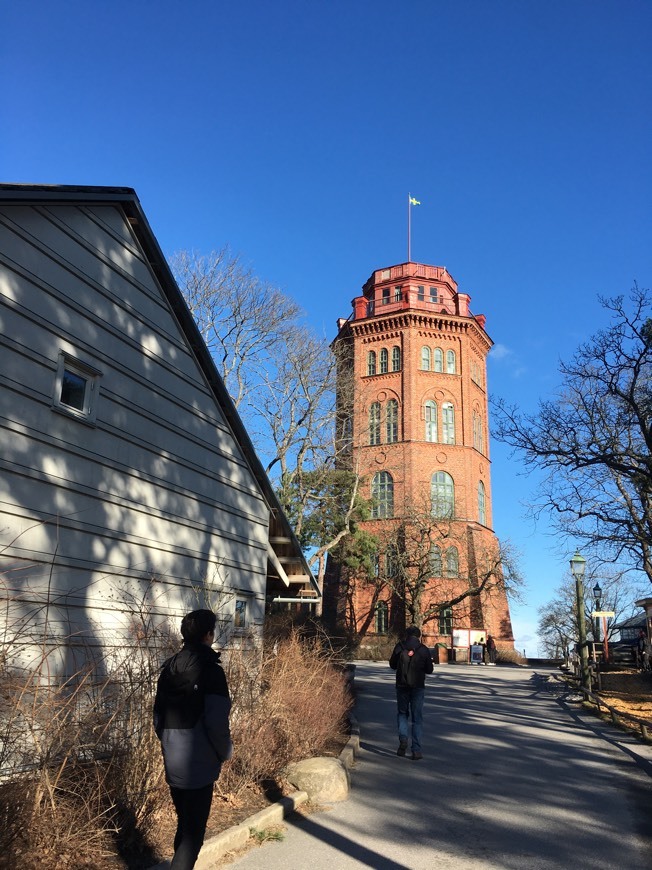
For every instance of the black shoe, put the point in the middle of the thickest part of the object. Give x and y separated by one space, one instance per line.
402 746
416 756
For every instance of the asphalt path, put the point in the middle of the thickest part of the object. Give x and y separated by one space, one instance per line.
514 777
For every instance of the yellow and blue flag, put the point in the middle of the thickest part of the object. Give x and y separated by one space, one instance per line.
414 201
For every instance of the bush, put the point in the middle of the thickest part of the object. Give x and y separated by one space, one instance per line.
294 704
82 774
509 655
376 648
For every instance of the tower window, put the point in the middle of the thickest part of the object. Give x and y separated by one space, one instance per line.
438 360
446 620
385 296
434 295
396 359
452 562
392 421
425 359
482 504
431 420
450 362
382 495
435 561
374 423
442 495
392 565
478 435
448 423
398 293
371 362
421 293
381 617
384 361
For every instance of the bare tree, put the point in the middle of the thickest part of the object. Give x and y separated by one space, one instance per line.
594 440
429 566
282 377
557 625
243 320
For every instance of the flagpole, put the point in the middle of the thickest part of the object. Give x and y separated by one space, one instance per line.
409 224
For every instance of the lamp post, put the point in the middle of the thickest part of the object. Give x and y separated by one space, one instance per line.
578 567
597 595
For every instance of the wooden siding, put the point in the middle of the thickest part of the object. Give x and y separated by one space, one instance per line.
153 497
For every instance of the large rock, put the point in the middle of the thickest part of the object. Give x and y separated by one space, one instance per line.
325 780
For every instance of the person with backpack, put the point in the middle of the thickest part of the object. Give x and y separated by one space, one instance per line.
191 719
412 661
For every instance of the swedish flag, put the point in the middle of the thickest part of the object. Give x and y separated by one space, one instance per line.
414 201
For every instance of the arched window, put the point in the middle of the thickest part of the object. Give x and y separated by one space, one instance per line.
478 435
384 361
435 561
374 423
442 495
380 617
371 362
396 359
482 504
392 421
452 562
392 566
448 423
450 362
431 420
425 359
446 620
438 357
382 495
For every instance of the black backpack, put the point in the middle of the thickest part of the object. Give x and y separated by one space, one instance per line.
408 672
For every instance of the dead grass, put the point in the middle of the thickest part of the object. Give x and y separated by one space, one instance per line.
83 783
630 692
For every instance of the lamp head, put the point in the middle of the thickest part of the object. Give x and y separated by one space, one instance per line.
578 566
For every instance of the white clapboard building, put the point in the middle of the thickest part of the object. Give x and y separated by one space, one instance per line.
129 488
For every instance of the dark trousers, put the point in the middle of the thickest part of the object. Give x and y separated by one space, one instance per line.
193 806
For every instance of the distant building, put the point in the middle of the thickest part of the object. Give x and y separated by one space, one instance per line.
414 425
129 489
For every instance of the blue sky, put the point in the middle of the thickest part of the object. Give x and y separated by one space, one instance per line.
293 131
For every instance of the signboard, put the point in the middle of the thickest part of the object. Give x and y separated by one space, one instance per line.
476 654
603 613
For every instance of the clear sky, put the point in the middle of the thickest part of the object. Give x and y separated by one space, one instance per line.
294 131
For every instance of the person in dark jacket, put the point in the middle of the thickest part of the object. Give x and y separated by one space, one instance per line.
191 719
412 661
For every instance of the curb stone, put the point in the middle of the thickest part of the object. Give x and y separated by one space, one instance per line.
237 836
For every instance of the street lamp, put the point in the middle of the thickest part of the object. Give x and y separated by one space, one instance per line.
597 595
578 567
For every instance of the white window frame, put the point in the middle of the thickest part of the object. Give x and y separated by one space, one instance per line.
68 364
240 605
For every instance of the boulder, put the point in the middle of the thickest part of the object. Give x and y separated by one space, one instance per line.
324 779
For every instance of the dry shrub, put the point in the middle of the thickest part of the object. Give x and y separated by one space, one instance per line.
293 705
377 649
509 655
81 768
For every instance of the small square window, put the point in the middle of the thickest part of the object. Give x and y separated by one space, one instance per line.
240 616
76 388
73 390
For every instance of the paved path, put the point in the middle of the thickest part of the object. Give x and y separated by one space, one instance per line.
512 779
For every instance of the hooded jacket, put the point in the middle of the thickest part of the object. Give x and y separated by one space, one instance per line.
191 717
413 675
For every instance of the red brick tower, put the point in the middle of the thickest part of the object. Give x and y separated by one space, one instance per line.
414 409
